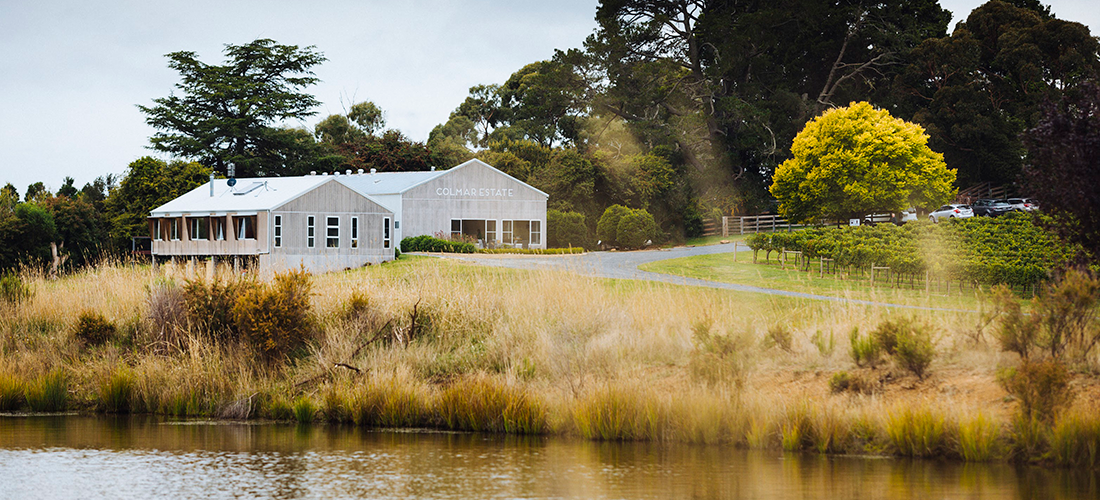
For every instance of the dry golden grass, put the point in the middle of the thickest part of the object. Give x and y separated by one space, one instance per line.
533 351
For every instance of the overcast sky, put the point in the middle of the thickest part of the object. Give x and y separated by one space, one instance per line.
73 71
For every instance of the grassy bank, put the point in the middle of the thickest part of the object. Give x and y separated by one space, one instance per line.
433 343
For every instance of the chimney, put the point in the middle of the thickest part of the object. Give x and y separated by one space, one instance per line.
347 172
360 171
211 184
373 171
433 169
312 172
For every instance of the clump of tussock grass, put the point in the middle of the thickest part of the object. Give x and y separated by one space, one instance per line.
1029 438
795 428
13 289
708 417
278 407
116 392
12 388
1075 440
48 392
484 404
394 401
304 410
621 413
977 438
916 432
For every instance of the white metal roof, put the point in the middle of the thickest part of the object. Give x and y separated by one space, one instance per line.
250 194
268 193
387 182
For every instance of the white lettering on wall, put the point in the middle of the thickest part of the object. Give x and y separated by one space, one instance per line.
472 192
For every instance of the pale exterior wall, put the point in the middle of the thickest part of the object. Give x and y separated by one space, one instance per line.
329 200
471 192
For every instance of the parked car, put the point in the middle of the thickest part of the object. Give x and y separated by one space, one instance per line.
1023 204
898 218
990 207
952 211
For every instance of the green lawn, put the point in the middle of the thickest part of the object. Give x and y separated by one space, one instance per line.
723 268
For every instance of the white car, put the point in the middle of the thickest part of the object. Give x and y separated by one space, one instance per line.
900 218
952 211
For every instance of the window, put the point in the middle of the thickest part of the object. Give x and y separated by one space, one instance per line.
278 231
200 228
332 232
397 224
386 232
218 228
490 232
456 228
309 231
355 232
536 232
156 230
506 230
174 229
245 227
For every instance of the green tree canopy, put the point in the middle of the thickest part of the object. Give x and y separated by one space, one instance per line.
148 183
857 160
227 114
1062 168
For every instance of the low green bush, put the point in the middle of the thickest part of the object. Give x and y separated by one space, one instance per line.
1041 387
567 229
93 329
866 351
636 229
607 228
908 341
12 289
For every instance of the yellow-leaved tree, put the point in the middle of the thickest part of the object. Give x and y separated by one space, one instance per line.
858 160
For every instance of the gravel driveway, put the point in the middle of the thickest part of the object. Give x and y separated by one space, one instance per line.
624 265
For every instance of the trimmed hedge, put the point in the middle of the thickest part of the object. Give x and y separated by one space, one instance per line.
425 243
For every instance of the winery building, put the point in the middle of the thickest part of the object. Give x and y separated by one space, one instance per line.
331 222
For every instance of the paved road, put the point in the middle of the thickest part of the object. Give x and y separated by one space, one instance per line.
624 265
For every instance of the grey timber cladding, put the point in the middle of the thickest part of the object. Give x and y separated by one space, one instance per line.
331 200
471 191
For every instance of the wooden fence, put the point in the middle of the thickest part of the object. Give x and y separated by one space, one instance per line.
756 224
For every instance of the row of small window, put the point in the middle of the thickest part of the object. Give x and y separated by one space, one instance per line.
332 232
204 228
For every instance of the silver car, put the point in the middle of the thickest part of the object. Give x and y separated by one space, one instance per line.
1023 204
952 211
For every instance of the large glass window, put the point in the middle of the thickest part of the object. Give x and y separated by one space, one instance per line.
456 228
490 232
536 232
156 230
218 228
310 228
355 232
332 232
245 227
278 231
506 232
199 228
174 229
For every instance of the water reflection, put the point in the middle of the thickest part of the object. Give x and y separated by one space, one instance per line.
104 457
